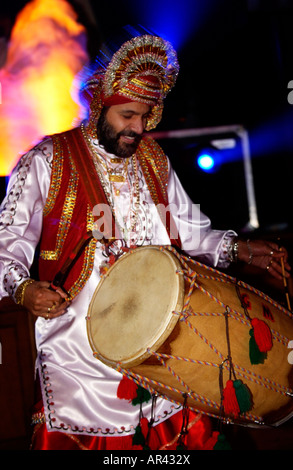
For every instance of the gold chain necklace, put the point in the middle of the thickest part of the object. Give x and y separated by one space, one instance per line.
108 185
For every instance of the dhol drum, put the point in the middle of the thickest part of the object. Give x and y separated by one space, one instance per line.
195 336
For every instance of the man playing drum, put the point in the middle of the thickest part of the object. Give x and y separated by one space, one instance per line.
88 195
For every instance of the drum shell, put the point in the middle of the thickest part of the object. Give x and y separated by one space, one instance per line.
184 364
200 341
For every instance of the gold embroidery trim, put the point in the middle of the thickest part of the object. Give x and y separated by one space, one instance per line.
56 176
88 261
151 151
66 216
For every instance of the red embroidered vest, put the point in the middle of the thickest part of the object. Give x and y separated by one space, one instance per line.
74 190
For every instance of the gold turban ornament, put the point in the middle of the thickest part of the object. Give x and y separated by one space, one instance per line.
144 69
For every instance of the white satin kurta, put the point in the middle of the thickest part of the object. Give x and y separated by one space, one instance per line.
79 392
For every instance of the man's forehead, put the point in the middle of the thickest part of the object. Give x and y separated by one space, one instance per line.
132 107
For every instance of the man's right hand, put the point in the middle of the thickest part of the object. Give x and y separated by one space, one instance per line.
41 301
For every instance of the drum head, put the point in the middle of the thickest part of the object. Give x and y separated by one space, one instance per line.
132 307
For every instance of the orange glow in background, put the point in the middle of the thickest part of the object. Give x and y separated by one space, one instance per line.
47 48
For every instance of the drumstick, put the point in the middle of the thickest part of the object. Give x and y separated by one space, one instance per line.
285 283
61 276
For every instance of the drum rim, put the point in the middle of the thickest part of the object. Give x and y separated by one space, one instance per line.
173 319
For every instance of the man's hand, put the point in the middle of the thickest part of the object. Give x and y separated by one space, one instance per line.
265 255
41 301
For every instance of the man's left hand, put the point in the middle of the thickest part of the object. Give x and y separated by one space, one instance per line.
265 255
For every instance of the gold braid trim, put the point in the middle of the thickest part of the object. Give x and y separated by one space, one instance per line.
56 176
88 262
69 204
154 164
151 151
175 439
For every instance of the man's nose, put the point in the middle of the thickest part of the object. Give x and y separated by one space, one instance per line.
137 125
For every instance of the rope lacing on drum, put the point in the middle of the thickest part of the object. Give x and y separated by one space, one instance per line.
260 335
235 371
245 319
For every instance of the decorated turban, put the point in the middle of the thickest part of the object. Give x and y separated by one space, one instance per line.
143 69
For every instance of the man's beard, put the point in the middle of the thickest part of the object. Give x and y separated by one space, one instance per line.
109 138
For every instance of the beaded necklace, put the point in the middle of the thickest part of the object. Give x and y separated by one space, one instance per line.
109 176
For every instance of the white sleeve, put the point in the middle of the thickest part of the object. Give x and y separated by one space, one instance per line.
21 215
198 238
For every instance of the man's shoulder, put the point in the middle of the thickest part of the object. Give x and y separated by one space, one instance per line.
152 155
43 148
51 143
151 148
57 135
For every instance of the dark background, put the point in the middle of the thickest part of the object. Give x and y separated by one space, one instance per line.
236 62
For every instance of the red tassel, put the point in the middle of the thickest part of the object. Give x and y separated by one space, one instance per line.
144 424
210 443
230 403
127 389
112 259
262 335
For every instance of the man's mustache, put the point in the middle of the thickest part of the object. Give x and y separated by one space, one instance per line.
129 134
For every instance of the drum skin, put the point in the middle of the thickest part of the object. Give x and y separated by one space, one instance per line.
185 367
131 309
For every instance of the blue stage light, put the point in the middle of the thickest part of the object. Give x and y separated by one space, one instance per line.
206 162
173 20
